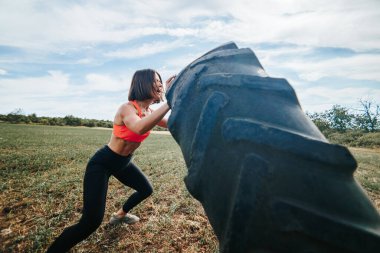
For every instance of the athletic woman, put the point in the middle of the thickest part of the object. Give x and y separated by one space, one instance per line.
132 124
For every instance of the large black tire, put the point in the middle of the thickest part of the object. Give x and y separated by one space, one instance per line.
267 178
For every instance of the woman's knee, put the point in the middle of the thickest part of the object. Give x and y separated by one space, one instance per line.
147 191
91 222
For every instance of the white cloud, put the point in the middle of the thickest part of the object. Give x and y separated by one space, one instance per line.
64 27
51 32
318 99
33 92
311 66
97 82
58 84
97 107
322 23
53 84
54 26
145 49
359 67
54 94
175 64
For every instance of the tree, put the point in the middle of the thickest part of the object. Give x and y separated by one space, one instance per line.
33 118
340 119
3 117
369 119
17 116
56 121
72 121
320 120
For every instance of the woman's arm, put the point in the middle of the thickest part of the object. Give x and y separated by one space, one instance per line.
143 125
163 123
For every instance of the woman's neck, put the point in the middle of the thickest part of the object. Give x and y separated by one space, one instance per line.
144 105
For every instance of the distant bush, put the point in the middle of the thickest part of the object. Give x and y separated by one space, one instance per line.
369 140
342 119
17 117
355 138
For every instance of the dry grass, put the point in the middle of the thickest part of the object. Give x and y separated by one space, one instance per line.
41 193
368 172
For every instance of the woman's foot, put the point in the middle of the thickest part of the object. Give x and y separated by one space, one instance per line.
127 219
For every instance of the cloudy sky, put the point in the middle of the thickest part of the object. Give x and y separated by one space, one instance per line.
69 57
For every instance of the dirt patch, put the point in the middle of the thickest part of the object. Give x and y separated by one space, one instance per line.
368 150
161 132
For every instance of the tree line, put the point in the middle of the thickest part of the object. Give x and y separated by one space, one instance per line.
341 119
337 119
18 117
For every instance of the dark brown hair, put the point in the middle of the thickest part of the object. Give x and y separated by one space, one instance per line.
142 85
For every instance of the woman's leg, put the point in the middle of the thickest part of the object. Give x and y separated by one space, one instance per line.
95 187
133 177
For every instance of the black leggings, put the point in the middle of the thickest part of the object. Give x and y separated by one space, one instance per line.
101 166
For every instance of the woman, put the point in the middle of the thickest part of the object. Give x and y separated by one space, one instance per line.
132 124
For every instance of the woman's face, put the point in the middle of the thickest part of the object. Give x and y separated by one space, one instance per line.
158 88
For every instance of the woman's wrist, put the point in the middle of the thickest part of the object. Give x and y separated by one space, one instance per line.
165 106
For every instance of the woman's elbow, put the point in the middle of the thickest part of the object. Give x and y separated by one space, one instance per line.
141 130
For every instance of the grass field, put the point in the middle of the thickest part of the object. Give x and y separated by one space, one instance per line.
42 168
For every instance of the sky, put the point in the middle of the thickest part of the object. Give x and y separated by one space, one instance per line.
60 58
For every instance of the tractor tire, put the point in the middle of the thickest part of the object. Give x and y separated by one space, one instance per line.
268 179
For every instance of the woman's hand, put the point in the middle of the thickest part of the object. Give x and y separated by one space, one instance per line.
169 82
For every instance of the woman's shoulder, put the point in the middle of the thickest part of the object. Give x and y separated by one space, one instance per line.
126 108
123 111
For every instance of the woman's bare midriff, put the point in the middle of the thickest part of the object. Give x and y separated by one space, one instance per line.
121 146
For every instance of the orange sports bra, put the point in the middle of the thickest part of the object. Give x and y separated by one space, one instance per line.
123 132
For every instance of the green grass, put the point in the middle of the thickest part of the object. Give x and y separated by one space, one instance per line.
354 138
42 168
368 172
41 193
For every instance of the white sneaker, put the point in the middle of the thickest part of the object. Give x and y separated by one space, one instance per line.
127 219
